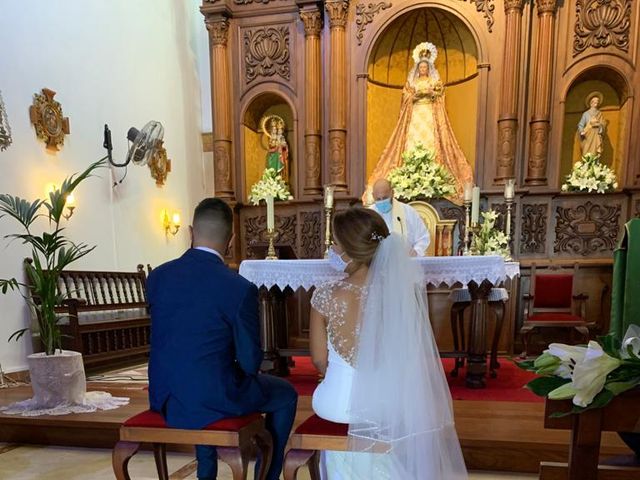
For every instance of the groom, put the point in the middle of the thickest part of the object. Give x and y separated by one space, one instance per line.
205 342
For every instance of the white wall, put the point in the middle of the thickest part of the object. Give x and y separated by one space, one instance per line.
120 62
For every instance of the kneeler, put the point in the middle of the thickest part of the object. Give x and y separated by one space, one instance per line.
625 296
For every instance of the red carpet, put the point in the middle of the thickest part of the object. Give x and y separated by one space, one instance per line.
507 387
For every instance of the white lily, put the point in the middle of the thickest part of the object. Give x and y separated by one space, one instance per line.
569 355
631 339
589 376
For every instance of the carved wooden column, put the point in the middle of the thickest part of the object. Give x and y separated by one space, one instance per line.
312 19
338 11
218 27
508 119
539 124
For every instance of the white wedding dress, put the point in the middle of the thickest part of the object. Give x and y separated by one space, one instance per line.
384 377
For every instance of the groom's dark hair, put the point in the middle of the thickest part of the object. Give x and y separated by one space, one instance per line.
213 220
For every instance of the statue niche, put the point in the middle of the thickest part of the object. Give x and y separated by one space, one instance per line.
422 89
596 110
268 140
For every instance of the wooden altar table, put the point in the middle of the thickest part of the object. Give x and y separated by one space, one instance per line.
478 273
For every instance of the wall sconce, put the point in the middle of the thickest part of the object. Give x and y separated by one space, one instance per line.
70 204
171 225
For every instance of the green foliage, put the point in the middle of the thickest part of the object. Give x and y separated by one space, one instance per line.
51 253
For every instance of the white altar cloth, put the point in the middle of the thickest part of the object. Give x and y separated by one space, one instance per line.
437 270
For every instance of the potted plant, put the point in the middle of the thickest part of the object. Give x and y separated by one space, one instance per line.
57 376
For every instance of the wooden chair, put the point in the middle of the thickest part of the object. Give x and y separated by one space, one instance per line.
440 231
308 440
461 299
235 439
551 303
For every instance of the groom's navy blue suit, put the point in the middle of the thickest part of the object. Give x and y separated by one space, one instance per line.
205 353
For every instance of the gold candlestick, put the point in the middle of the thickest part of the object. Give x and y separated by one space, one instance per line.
327 231
271 251
328 207
467 225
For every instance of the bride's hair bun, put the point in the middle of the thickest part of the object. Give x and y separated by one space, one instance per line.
359 232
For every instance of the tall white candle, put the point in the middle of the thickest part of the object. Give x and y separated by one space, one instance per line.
509 189
475 206
468 192
271 220
328 196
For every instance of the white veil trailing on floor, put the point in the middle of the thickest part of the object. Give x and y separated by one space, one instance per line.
400 400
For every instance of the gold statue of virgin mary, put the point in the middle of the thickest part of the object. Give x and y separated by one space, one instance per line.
423 119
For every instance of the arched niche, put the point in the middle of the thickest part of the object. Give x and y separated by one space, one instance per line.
391 60
255 142
615 109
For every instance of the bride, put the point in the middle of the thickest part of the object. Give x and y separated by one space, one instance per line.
423 119
371 338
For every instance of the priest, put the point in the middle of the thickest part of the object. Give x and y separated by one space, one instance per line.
400 218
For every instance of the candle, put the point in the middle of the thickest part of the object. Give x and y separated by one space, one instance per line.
328 196
509 188
271 220
70 201
475 206
175 219
468 192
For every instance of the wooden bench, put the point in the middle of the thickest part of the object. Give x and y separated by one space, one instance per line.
312 436
621 415
107 316
235 438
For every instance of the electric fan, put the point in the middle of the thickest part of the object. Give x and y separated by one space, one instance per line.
143 143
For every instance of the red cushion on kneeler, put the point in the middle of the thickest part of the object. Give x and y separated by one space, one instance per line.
554 317
151 419
314 425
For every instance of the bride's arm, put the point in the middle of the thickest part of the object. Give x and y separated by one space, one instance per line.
318 341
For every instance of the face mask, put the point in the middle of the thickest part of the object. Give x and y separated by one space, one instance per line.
336 261
383 206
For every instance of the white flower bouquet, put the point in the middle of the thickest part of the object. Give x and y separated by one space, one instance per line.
588 375
489 240
589 175
271 184
420 176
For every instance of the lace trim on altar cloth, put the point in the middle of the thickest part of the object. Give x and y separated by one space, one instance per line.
92 401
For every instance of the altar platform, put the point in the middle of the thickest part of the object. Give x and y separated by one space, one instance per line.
495 435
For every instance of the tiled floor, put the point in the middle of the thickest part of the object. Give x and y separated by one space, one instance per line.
57 463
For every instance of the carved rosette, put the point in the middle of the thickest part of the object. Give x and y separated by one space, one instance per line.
602 23
255 228
312 21
218 28
310 235
160 164
365 14
338 12
266 53
533 228
587 229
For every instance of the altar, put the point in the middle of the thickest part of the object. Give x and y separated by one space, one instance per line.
478 273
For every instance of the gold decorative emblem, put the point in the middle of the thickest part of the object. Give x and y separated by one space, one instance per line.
159 164
46 116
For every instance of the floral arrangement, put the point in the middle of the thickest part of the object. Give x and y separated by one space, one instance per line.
421 176
422 47
590 376
589 175
271 184
489 240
